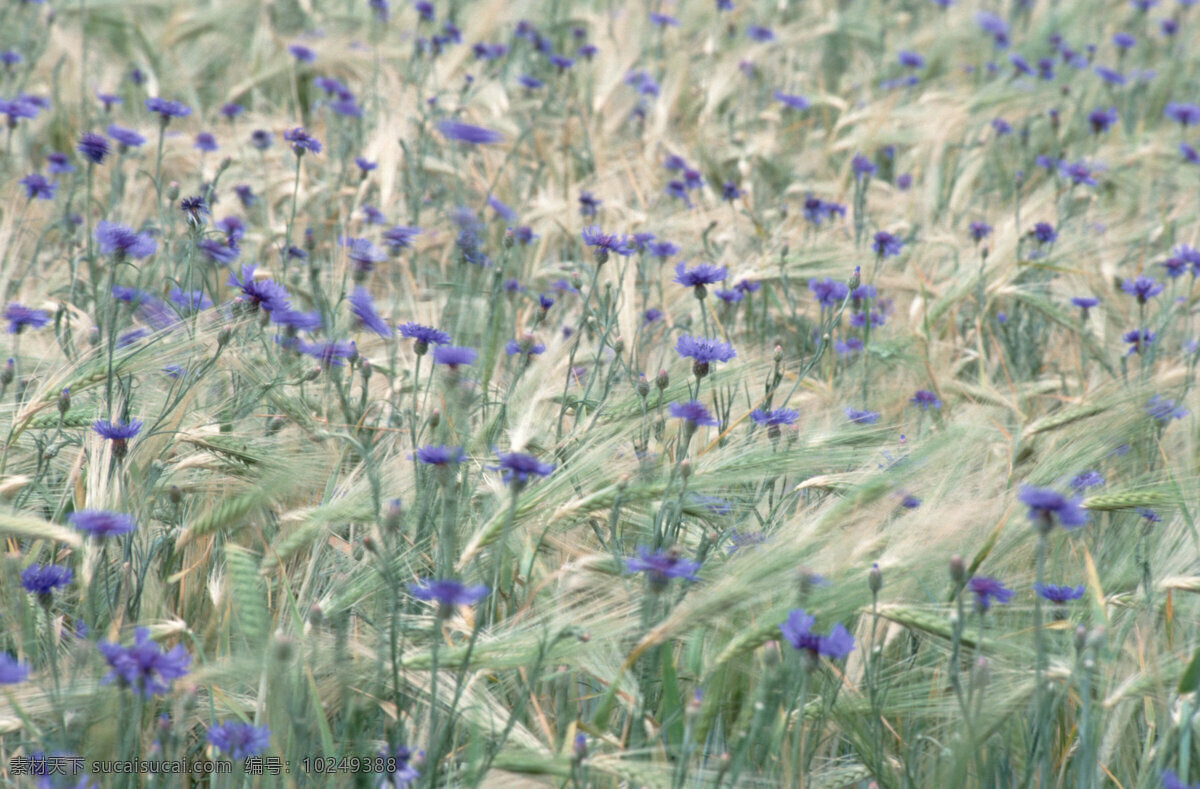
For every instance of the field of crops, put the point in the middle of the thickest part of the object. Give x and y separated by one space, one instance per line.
521 393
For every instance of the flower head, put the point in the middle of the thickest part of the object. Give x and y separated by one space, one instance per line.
144 666
20 317
101 523
12 671
860 417
364 313
986 589
424 336
1163 410
453 355
886 245
168 109
123 241
302 141
924 399
239 740
448 592
440 455
93 147
1138 339
692 412
1058 594
603 244
775 418
466 133
829 292
1143 288
703 351
117 431
1044 233
36 186
1047 506
700 275
661 566
41 579
518 468
797 631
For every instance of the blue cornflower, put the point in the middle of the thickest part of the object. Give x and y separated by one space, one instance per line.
20 317
447 593
144 666
774 418
589 204
117 431
364 312
829 292
330 353
729 296
195 209
302 141
453 355
1079 173
1001 127
502 210
1044 232
188 302
126 138
817 210
468 243
1047 506
759 33
994 26
261 139
364 165
603 244
424 336
518 468
122 241
862 166
560 62
1183 114
663 20
1163 410
267 293
1087 479
1109 75
523 235
860 417
399 238
219 252
93 147
910 59
295 321
1149 515
231 110
42 579
1101 119
662 249
101 523
1143 288
362 253
1176 267
980 231
57 163
526 346
1058 594
791 101
239 740
167 109
661 566
886 245
1138 339
699 276
741 540
986 589
440 455
730 191
797 631
466 133
1122 40
703 351
924 399
36 186
651 315
1085 303
12 671
693 413
245 195
1172 781
301 53
205 142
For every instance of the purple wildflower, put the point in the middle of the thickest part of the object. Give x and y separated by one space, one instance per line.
1047 506
466 133
693 413
986 589
453 355
1058 594
239 740
661 566
101 523
364 313
144 666
797 631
